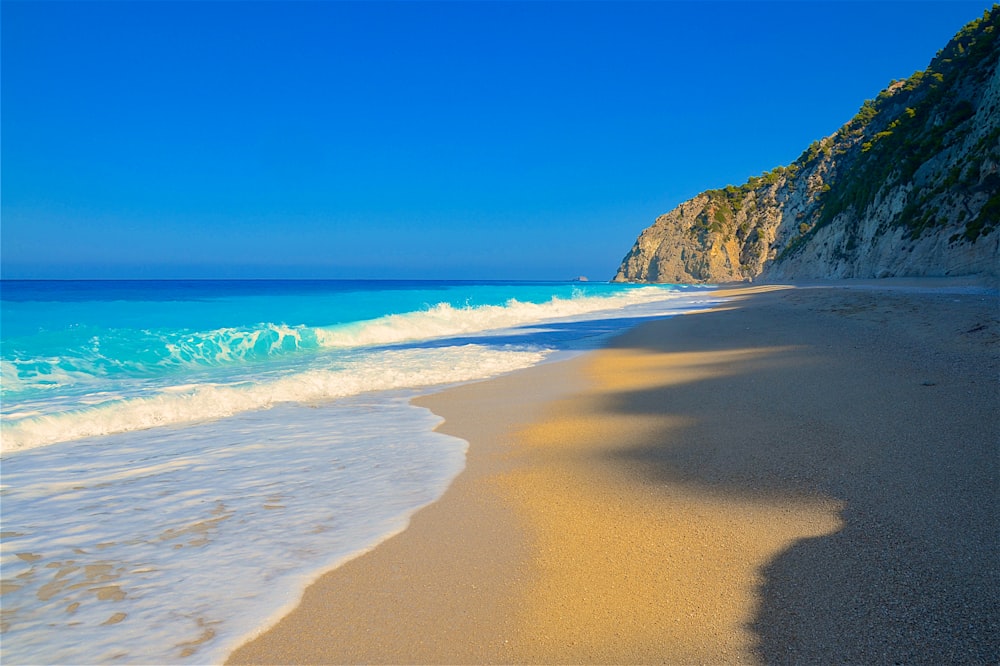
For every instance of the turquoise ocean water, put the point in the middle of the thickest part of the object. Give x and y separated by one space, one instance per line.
181 458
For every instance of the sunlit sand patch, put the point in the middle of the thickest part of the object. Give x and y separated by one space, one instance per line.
742 290
630 574
641 370
628 567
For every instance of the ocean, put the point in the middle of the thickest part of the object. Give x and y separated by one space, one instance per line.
180 459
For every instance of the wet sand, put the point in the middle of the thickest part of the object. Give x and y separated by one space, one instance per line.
801 475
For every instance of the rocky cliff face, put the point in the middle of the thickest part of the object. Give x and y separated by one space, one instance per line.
909 187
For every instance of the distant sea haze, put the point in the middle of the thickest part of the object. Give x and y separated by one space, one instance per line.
180 458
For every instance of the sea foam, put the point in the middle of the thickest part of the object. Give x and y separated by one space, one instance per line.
171 546
284 448
239 370
171 405
98 355
445 320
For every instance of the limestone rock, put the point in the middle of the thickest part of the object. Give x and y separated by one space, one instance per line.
909 187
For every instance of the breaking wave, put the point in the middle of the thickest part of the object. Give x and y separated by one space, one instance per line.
391 369
147 353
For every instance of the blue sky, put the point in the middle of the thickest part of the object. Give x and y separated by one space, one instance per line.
481 140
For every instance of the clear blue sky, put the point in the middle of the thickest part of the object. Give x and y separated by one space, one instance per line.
484 140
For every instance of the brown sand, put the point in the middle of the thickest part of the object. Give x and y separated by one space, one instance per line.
805 475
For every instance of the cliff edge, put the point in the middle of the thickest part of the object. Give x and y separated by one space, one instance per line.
909 187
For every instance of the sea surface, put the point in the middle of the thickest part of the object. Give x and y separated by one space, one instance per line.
179 459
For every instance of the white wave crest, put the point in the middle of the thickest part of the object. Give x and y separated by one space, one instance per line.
233 344
444 320
404 368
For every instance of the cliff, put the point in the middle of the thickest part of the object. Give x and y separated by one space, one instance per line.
909 187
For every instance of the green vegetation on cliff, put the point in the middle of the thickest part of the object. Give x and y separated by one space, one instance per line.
917 164
906 126
915 120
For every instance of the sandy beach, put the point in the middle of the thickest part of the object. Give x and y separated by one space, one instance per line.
802 475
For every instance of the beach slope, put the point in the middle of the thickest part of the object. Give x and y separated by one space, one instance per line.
800 475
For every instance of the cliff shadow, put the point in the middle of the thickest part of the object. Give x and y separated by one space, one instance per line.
840 406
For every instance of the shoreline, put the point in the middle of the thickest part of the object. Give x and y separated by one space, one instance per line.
469 547
643 503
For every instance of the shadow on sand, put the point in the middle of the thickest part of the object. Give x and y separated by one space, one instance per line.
852 403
